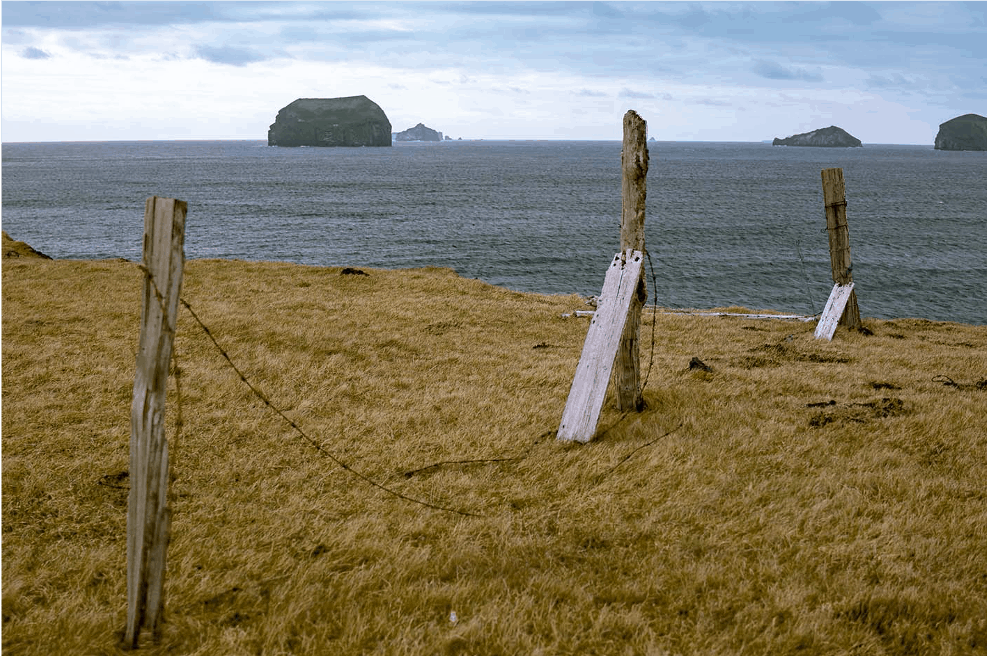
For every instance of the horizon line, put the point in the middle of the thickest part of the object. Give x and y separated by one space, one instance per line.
499 139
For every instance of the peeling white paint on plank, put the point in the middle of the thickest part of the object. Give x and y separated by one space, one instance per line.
834 310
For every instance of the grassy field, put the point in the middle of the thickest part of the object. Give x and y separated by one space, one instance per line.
803 496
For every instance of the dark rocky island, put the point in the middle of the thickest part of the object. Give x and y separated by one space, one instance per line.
352 121
831 137
418 133
967 132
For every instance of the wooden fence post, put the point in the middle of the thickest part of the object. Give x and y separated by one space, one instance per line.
148 514
611 345
834 198
634 192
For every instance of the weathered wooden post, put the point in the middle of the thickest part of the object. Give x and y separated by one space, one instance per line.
634 192
148 514
611 345
834 199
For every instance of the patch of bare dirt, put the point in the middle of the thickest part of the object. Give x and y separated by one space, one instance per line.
774 355
857 413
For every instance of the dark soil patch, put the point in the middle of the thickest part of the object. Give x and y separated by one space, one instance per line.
775 355
980 385
856 413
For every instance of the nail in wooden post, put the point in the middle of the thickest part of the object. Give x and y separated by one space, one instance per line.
148 514
834 198
634 192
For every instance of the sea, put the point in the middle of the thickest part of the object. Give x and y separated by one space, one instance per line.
727 224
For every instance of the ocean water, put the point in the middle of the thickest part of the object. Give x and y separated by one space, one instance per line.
727 223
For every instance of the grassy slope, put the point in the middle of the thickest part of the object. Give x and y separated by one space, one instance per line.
754 522
12 248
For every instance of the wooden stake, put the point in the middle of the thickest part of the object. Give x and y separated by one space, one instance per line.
634 192
148 514
834 198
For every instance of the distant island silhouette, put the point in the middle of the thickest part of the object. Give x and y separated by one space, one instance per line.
350 121
967 132
831 137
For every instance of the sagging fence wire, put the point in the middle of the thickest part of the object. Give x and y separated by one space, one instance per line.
263 397
654 321
177 371
312 442
805 277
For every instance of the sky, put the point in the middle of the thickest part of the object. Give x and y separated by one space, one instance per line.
886 72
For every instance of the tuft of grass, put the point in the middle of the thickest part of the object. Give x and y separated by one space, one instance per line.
797 496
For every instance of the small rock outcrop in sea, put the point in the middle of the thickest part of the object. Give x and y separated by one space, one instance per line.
831 137
418 133
967 132
351 121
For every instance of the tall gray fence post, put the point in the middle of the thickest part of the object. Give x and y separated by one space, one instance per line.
148 513
634 192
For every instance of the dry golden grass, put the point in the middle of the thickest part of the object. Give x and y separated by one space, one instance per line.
810 496
12 248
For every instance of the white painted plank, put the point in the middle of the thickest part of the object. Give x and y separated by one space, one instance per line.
834 310
589 385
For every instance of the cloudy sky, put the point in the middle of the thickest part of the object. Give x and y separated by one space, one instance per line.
886 72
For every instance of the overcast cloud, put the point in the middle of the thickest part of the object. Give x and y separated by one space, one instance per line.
886 72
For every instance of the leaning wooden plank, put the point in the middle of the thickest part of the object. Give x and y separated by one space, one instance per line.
834 310
702 313
148 515
589 385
